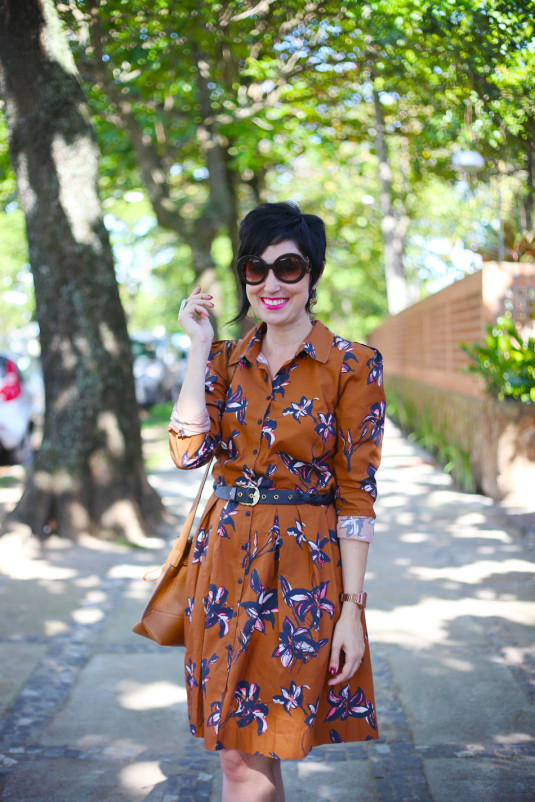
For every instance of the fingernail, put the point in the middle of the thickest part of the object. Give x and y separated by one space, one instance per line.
333 670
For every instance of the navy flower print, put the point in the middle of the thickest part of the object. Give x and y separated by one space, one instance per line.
349 446
312 713
205 670
305 602
335 737
201 544
375 367
347 366
268 431
230 447
214 719
325 427
369 484
300 409
373 424
190 667
281 380
297 643
346 705
263 608
316 550
291 698
229 511
215 610
237 403
188 612
248 708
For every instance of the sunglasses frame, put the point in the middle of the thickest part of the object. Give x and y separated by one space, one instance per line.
242 261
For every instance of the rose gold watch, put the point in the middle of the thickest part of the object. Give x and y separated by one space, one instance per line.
357 598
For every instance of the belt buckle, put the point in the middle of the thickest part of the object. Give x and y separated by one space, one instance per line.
254 499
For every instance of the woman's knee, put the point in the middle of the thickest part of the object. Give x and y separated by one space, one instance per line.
240 767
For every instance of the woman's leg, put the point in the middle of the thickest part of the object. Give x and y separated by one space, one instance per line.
279 787
250 778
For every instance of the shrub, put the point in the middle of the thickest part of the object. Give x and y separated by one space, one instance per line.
505 362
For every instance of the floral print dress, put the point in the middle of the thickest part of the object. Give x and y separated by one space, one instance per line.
264 581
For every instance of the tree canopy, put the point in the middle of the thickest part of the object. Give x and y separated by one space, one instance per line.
354 109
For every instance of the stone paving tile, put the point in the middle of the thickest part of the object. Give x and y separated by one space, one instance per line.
58 671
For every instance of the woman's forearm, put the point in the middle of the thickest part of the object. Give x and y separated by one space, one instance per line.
354 556
191 403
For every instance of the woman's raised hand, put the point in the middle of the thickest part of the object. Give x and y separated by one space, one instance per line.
194 316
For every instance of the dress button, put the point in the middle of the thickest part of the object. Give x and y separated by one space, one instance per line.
268 398
259 422
255 451
240 581
248 512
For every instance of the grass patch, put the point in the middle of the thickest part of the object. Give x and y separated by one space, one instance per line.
157 415
9 481
421 428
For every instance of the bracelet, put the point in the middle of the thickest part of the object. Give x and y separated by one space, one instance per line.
357 598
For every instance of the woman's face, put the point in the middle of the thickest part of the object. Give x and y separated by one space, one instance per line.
277 303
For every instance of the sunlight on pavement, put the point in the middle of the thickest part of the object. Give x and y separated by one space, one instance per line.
474 572
51 628
140 778
419 626
20 560
127 571
149 696
89 615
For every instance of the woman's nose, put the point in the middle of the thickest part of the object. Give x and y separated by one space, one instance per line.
272 283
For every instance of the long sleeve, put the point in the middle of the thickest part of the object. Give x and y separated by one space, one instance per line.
360 423
193 450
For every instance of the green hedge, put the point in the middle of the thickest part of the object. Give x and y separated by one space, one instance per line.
421 423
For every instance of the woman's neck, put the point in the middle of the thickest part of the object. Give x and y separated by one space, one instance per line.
285 341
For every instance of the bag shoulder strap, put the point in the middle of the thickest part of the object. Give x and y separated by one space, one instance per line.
180 543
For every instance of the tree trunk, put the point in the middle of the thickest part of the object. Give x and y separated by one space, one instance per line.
89 474
393 230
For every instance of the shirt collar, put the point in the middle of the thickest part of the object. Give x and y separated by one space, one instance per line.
317 344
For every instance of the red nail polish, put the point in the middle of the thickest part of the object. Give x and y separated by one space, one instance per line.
333 670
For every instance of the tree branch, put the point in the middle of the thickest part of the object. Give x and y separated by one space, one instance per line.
151 165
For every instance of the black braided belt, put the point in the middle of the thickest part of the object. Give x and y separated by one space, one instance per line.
252 495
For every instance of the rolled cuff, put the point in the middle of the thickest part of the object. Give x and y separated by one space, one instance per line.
356 527
192 427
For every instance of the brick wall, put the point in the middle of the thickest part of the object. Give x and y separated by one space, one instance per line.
424 368
423 342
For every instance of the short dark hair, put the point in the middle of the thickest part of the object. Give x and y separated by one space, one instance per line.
271 223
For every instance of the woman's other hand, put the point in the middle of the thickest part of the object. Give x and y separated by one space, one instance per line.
348 640
194 316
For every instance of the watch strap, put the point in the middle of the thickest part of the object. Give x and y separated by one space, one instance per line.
357 598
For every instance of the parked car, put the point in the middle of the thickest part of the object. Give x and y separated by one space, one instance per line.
149 374
16 422
159 367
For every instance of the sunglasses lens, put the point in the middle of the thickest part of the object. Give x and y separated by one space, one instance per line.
253 270
290 268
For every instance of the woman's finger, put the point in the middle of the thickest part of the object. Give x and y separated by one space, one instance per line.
334 662
195 305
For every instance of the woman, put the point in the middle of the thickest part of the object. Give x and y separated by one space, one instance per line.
277 659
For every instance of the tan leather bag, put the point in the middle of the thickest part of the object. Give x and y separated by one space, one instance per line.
162 620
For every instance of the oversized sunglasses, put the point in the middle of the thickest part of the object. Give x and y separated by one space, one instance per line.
288 268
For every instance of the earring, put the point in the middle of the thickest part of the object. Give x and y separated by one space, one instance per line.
312 301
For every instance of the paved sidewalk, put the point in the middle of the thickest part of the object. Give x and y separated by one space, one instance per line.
90 711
